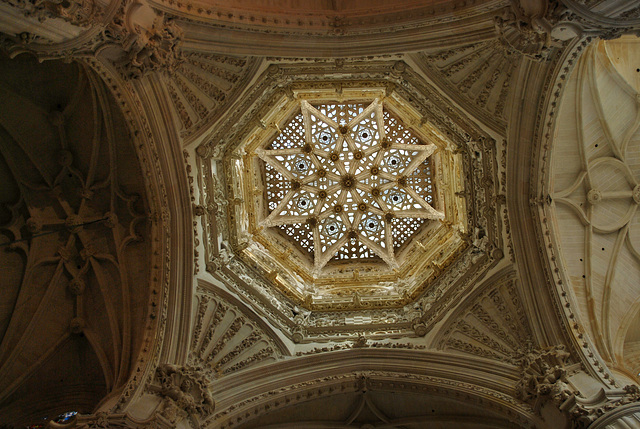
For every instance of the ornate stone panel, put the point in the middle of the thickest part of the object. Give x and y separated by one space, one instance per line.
493 326
224 340
203 84
477 76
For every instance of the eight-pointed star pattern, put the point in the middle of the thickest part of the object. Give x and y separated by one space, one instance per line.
348 181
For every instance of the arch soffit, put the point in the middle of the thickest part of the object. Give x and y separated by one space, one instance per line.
266 388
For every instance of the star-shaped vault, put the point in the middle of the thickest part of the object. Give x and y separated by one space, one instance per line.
348 180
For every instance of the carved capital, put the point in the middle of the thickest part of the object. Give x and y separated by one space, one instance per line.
149 41
184 392
544 377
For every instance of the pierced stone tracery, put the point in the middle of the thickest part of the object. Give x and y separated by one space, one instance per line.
348 181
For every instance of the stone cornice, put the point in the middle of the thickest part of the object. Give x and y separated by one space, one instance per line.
238 41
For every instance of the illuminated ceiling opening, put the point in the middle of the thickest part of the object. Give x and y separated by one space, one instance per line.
348 182
346 196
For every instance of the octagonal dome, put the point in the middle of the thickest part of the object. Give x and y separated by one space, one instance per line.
364 198
340 196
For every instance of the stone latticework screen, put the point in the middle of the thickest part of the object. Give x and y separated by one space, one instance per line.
348 182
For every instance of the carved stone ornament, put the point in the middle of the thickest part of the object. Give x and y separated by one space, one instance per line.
544 377
584 413
534 27
220 348
134 37
526 27
546 380
76 12
149 40
184 391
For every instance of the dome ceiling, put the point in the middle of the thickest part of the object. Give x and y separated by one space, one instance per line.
353 272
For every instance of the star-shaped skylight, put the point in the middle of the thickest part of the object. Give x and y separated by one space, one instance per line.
348 181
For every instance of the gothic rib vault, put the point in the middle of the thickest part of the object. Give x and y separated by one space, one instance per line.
319 215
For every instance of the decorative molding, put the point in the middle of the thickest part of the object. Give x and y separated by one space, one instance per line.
361 342
323 387
197 212
305 21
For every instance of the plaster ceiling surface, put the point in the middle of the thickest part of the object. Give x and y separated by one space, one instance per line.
596 193
73 212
